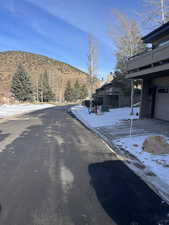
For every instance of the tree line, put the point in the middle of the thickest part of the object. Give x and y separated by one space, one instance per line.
22 88
76 92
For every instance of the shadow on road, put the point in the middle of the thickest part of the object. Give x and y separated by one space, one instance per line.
125 197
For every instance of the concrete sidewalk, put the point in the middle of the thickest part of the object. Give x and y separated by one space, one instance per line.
140 127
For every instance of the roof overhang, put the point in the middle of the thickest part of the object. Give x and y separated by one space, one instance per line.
162 70
157 33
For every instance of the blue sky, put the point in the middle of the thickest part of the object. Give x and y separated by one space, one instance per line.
59 28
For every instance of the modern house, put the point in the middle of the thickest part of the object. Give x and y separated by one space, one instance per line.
152 67
111 96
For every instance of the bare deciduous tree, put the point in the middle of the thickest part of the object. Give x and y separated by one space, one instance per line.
37 89
92 62
156 12
126 38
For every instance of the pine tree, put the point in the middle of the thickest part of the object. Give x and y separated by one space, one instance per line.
69 93
76 90
45 92
83 92
21 86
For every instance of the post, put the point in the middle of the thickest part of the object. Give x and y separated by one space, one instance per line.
132 97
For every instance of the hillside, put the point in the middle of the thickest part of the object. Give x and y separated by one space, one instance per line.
59 73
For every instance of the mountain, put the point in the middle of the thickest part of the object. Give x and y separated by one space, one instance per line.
59 72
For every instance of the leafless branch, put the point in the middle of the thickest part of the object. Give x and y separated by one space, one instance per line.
92 61
156 12
126 37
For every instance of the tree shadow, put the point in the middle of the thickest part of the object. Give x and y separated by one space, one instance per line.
124 196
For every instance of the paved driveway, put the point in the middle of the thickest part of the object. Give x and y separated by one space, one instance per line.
53 171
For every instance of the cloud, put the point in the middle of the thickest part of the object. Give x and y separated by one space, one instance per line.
63 11
83 16
55 28
87 16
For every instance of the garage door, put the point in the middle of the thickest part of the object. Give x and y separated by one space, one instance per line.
162 104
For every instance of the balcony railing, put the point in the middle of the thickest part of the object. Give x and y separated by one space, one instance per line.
148 58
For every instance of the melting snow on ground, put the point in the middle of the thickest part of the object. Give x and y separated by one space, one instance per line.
11 110
158 164
106 119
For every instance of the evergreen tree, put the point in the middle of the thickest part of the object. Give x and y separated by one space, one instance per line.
45 92
83 92
21 87
76 90
69 93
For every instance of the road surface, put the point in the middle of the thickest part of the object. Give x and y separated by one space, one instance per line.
53 171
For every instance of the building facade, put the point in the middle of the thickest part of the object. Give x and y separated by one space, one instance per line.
152 67
111 96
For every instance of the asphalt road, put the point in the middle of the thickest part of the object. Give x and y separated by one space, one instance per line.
53 171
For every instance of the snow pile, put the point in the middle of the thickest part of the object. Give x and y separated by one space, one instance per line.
10 110
158 164
112 117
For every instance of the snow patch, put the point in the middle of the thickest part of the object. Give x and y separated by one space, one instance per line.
60 140
112 117
11 110
67 178
158 164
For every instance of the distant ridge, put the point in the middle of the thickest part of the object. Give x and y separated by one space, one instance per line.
59 72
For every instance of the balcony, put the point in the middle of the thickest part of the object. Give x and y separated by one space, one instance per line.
150 62
99 93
